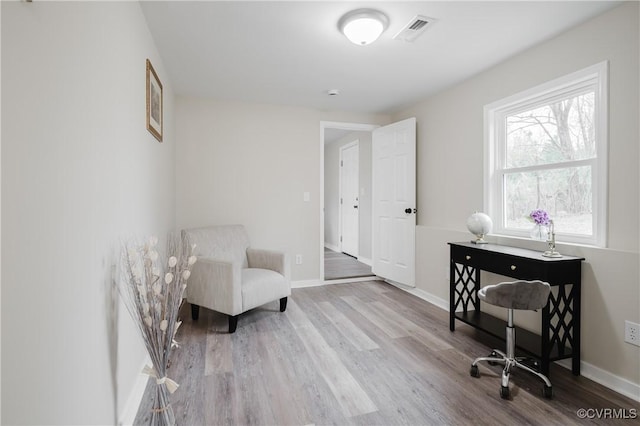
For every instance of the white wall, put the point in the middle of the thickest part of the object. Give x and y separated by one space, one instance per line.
250 164
0 219
332 191
450 178
332 195
79 171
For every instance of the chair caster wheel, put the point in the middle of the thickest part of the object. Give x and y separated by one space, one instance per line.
493 354
547 392
504 392
474 371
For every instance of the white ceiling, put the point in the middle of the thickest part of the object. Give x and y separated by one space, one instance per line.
291 52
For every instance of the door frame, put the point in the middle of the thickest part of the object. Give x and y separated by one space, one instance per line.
355 143
355 127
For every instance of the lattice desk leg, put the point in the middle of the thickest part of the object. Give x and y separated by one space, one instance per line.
576 303
563 320
452 301
464 286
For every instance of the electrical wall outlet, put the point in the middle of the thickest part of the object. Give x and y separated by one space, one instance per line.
632 333
298 259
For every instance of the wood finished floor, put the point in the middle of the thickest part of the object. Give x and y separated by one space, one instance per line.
358 354
339 266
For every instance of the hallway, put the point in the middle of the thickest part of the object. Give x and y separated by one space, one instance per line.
339 265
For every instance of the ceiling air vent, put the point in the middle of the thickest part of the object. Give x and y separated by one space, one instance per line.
414 28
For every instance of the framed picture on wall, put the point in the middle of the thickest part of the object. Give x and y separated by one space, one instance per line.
154 103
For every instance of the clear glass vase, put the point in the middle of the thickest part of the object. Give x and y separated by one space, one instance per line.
540 232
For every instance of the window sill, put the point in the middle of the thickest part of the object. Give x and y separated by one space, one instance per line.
570 248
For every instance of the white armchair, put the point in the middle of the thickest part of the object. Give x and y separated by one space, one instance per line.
230 277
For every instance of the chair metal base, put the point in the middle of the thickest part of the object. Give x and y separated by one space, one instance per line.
510 362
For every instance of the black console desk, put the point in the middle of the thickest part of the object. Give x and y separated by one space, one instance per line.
560 337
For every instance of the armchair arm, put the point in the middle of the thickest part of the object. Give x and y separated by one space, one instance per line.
269 259
216 285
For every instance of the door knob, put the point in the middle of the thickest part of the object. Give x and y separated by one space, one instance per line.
409 211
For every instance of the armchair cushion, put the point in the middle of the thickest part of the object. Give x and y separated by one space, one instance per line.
260 286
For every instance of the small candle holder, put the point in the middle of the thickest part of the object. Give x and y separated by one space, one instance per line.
551 242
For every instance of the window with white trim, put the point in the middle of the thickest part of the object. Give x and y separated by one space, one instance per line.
546 148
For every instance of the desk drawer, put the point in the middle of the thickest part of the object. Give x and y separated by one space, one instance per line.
497 263
466 256
519 268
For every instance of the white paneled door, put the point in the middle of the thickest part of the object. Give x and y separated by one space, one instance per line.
349 213
394 201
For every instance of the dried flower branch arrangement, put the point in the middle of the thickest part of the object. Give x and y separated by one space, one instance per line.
153 294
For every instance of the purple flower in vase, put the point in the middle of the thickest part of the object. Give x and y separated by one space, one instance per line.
540 217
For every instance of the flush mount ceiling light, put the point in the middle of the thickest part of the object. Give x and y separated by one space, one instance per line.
363 26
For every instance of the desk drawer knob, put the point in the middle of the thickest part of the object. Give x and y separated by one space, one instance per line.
513 267
468 257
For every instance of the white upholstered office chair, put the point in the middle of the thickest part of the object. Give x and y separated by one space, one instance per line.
522 295
230 277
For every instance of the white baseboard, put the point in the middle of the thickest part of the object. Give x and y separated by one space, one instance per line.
591 372
434 300
352 280
332 247
128 414
306 283
317 283
606 379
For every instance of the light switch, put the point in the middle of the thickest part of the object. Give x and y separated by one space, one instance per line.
306 196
